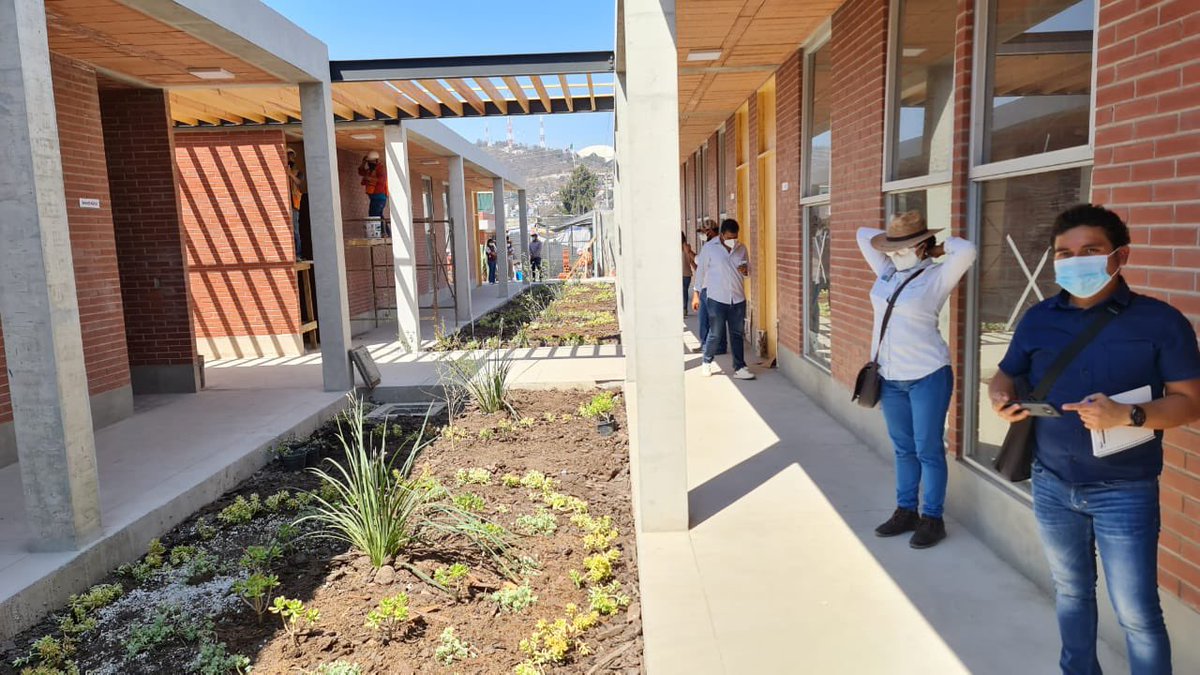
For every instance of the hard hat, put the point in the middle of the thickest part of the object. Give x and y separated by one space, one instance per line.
374 154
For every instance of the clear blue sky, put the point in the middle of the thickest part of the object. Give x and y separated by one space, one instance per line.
407 28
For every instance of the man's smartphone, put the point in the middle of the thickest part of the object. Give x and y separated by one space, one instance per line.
1038 409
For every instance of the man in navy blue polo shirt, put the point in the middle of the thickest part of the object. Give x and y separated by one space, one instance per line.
1082 502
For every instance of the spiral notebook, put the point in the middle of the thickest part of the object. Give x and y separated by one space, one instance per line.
1112 441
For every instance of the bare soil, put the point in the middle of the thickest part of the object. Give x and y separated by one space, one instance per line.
552 315
343 585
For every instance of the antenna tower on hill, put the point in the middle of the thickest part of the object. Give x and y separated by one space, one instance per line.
510 134
542 131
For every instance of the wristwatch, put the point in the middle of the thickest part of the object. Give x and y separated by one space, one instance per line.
1137 415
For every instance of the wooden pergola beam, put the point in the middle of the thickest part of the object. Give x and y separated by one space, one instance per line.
493 93
443 94
518 92
541 91
469 94
591 91
417 94
566 90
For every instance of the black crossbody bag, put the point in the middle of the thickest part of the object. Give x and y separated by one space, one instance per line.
1015 461
869 383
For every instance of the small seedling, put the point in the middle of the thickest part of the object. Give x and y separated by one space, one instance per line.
294 615
600 407
576 578
329 493
81 608
526 422
536 480
168 623
473 477
453 577
600 532
339 668
259 559
607 599
299 500
241 511
453 433
203 530
429 483
469 501
452 648
502 508
600 566
543 522
278 501
509 480
561 502
155 552
505 427
254 591
202 567
486 434
182 554
390 615
513 598
51 656
214 659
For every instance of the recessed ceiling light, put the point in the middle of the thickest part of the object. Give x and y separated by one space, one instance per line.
910 52
429 162
211 73
704 55
363 137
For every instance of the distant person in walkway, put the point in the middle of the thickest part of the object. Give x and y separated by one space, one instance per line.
1082 502
374 182
535 257
914 362
491 260
512 272
297 187
720 269
710 235
689 266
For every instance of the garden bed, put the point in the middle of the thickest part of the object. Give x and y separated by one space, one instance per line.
539 478
545 315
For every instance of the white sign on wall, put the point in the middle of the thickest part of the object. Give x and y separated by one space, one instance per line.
89 203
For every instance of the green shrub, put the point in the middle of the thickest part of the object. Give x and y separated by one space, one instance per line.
167 624
475 476
601 406
203 530
600 566
214 659
202 567
483 380
260 559
452 577
469 501
255 591
241 511
294 615
182 554
278 501
391 614
607 599
49 656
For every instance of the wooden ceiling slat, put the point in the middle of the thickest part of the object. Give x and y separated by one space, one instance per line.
417 94
591 90
350 104
443 94
469 94
371 98
493 93
518 91
205 101
566 89
540 87
398 99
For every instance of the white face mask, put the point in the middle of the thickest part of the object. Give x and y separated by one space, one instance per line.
905 258
730 243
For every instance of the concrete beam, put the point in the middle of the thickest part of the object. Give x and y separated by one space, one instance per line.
464 230
329 256
38 304
501 241
649 183
523 211
404 241
439 138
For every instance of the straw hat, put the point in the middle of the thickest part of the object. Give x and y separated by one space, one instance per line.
904 230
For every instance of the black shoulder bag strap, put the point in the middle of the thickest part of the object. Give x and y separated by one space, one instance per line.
1068 355
887 315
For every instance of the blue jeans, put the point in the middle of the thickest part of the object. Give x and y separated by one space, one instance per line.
1121 519
378 205
720 315
687 297
915 413
721 348
491 271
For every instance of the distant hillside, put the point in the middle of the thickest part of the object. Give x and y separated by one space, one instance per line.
546 171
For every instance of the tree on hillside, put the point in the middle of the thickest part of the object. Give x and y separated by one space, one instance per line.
579 194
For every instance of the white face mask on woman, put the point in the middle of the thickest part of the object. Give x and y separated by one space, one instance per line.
905 258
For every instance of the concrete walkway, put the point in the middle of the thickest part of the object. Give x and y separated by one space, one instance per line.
781 572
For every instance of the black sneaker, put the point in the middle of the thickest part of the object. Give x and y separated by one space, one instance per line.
903 520
929 532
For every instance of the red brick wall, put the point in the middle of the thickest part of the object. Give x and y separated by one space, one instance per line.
789 229
93 248
689 192
237 217
154 283
1147 168
859 56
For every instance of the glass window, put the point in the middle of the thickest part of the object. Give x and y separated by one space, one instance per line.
933 203
818 114
922 118
1016 271
817 252
1040 77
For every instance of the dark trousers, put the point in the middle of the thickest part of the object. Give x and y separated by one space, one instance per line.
720 317
721 348
535 270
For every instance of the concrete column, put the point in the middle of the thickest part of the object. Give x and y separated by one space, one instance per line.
523 211
501 242
38 306
623 229
404 241
464 238
649 179
329 256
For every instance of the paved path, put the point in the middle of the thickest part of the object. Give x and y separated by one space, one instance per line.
781 572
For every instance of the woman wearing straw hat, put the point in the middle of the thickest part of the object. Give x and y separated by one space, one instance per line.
914 363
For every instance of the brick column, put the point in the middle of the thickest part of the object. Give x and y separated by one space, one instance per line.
150 241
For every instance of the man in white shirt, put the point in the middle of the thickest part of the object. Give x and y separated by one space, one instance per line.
720 269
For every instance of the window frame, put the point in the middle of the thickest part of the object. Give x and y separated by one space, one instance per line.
806 289
979 173
820 40
891 111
